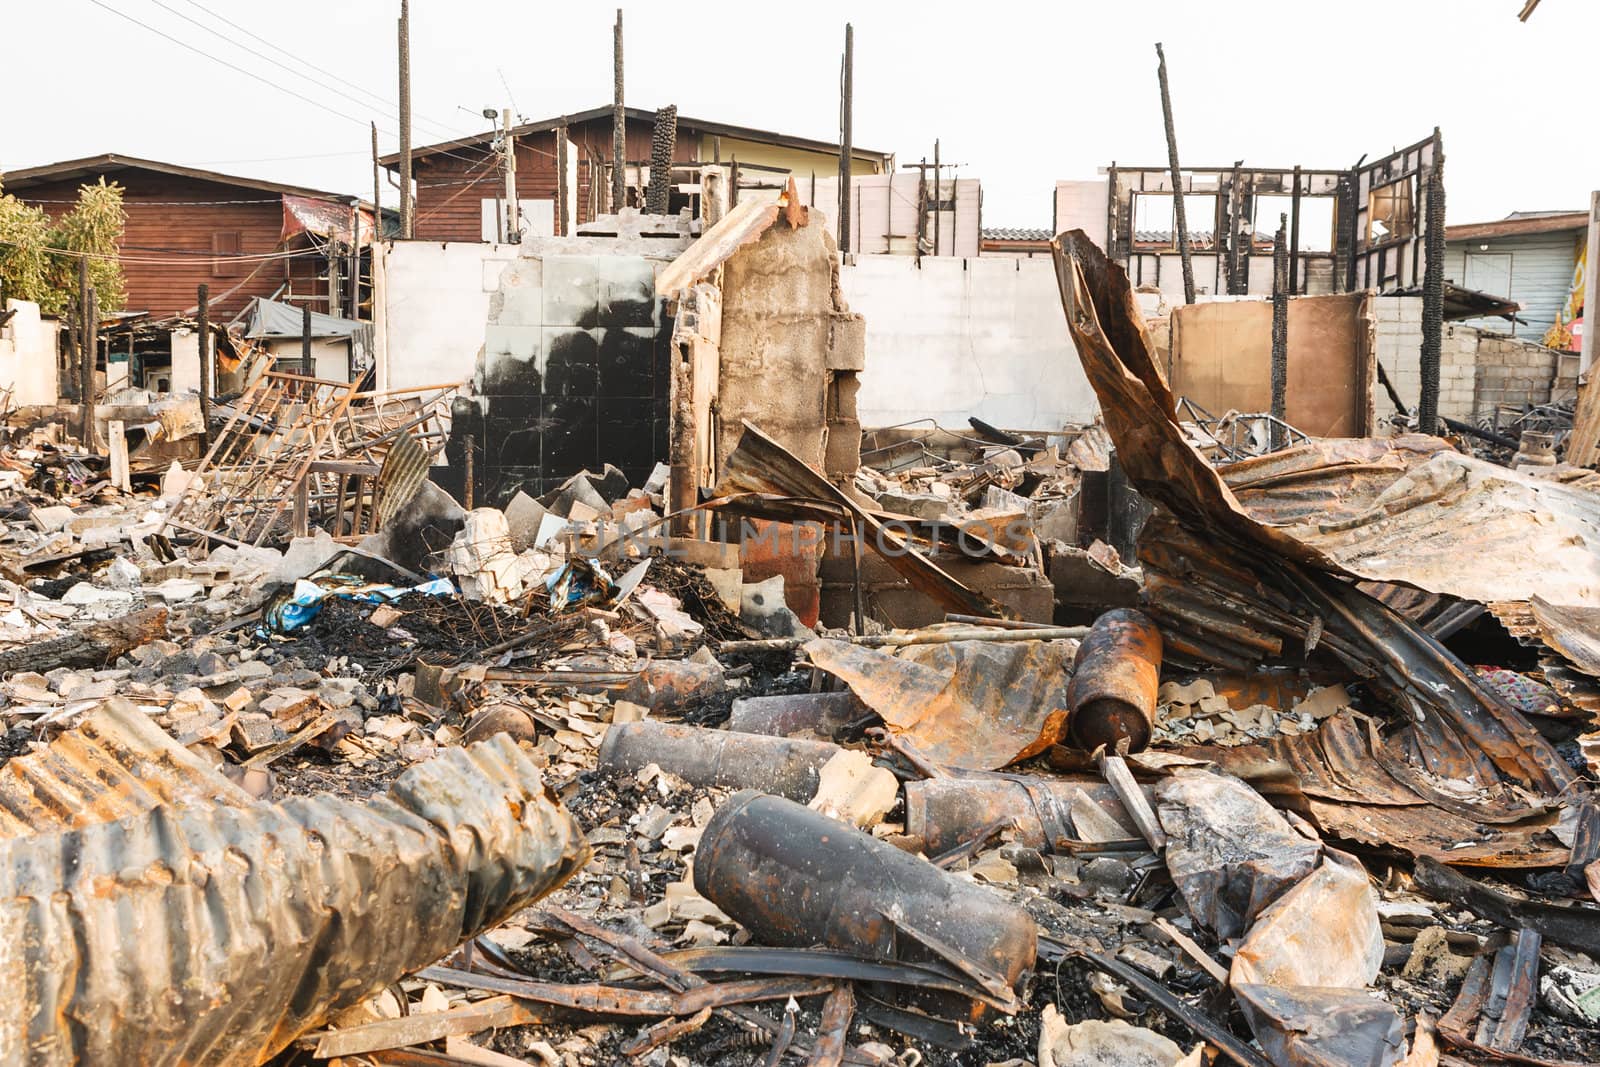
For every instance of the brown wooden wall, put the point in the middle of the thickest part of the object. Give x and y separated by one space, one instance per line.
183 221
451 188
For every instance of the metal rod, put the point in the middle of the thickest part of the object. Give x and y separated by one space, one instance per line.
918 637
998 624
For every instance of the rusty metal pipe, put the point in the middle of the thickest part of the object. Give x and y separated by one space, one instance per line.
722 758
945 813
780 716
794 877
1115 676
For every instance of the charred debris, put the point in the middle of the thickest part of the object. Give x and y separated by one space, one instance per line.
1169 739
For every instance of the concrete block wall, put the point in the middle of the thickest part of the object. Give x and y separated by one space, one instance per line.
1513 372
1478 370
1399 344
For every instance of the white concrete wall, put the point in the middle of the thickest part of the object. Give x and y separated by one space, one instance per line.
185 373
964 337
433 305
883 212
1082 205
28 355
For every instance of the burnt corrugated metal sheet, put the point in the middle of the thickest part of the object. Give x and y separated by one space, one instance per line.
206 931
1229 588
116 763
1411 509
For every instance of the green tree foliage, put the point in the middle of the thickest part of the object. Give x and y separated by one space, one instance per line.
36 260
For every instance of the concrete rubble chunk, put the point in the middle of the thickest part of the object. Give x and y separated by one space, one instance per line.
523 517
304 556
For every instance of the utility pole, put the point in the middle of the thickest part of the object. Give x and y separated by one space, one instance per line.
509 147
619 125
1280 332
846 115
1178 218
938 199
405 119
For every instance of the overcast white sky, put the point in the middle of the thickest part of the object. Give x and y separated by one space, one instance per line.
1020 93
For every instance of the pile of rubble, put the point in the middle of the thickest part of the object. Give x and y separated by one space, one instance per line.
373 778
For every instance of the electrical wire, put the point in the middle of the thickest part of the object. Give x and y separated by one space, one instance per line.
381 101
364 123
307 63
23 196
192 254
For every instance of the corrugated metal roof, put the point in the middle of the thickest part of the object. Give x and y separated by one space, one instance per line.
116 763
1016 233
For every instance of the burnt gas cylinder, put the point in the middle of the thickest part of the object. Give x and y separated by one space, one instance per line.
787 766
794 877
1115 676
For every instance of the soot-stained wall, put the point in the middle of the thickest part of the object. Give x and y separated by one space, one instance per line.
574 374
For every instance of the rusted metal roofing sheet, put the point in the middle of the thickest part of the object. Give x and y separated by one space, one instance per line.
1411 509
1231 589
760 467
192 928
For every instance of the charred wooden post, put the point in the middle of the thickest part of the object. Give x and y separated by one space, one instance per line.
1294 234
81 335
91 347
404 31
203 314
663 144
1280 333
306 362
1179 219
1112 698
563 194
846 121
619 124
1432 292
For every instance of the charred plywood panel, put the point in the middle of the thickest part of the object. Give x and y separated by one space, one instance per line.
1221 359
574 373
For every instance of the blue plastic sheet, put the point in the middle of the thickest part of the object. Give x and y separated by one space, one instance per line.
286 614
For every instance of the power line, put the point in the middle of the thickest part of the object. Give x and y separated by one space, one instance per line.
381 101
180 252
275 159
25 198
222 62
247 73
